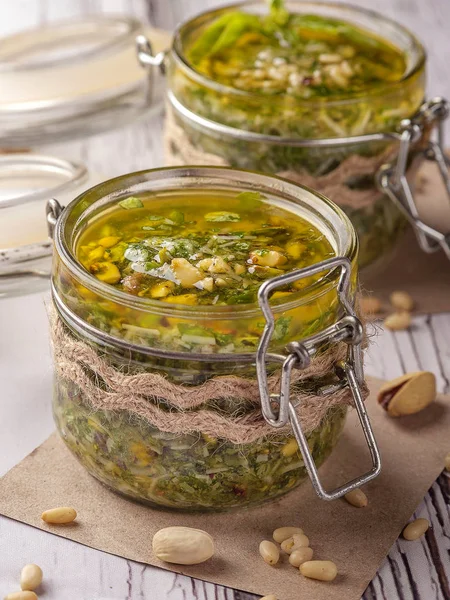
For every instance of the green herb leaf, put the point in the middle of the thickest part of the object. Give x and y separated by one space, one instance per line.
241 23
281 328
221 217
177 217
205 42
130 203
278 12
186 329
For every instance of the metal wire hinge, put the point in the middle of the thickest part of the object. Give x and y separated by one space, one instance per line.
349 330
392 178
53 211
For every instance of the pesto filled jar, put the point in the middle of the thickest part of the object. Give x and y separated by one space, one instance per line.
176 293
315 92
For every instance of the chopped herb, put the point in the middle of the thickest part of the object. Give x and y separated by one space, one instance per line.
222 217
130 203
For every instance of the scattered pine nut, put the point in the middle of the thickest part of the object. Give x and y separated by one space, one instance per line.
269 552
27 595
398 321
323 570
300 555
60 515
401 301
300 541
447 462
415 529
370 305
30 577
270 597
357 498
288 545
284 533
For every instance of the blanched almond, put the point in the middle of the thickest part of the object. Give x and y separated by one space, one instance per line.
183 545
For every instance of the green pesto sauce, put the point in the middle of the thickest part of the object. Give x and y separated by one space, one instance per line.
298 55
199 247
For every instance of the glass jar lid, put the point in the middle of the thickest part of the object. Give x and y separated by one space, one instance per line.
72 79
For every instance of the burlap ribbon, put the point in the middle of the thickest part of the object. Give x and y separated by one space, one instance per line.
182 409
180 151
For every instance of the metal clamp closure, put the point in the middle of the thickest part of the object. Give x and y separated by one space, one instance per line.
53 211
349 330
145 54
392 178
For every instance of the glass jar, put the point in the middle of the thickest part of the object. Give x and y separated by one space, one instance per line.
74 78
339 145
27 181
194 469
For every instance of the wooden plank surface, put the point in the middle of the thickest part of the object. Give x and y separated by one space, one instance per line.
412 571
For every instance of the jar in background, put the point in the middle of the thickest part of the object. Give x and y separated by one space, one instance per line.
27 181
336 145
103 336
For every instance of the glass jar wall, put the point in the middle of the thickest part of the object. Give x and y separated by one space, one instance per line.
334 140
186 343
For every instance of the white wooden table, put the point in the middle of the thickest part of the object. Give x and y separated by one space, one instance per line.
412 571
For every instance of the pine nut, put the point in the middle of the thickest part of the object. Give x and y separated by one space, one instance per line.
415 529
402 301
300 555
323 570
288 545
300 540
271 597
370 305
283 533
447 462
30 577
356 498
60 515
21 596
269 552
398 321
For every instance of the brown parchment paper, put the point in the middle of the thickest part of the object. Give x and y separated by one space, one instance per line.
412 448
425 276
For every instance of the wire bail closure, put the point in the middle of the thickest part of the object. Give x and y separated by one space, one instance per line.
392 178
349 330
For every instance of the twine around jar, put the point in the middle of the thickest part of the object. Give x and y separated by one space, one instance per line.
180 151
183 409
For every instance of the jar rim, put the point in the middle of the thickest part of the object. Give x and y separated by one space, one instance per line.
279 187
336 100
71 173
